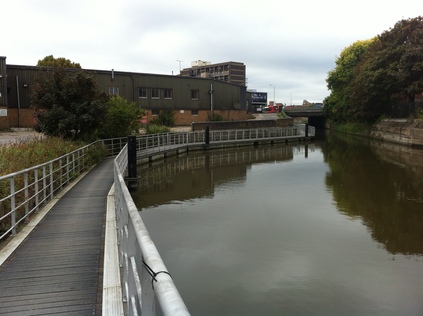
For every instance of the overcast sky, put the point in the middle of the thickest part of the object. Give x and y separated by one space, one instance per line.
287 47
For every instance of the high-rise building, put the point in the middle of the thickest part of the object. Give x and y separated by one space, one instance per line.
231 72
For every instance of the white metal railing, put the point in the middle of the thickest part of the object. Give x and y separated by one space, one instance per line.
144 275
157 143
24 192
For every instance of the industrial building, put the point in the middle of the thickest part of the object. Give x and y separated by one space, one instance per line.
191 98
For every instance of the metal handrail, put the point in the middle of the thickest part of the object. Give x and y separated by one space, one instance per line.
144 275
157 143
26 191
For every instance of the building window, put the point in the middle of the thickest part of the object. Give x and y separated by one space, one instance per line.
168 93
113 90
142 93
194 94
194 112
155 112
155 93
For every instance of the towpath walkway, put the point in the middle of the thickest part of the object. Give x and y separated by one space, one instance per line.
57 269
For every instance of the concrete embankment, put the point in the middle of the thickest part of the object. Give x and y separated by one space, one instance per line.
403 131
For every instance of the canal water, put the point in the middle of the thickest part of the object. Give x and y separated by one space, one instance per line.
333 227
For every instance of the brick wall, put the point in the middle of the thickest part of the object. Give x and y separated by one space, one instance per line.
4 120
185 117
25 119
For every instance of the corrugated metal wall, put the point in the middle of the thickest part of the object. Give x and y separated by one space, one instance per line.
3 85
226 96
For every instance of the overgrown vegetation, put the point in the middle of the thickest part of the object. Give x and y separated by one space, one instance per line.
373 77
165 118
215 117
19 155
156 129
354 128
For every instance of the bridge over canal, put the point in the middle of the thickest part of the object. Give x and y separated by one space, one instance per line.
315 117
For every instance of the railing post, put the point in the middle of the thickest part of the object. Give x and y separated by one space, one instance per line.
306 130
26 194
132 163
207 135
51 181
13 205
37 192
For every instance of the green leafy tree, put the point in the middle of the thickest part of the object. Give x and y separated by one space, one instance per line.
392 69
50 61
337 104
68 104
122 118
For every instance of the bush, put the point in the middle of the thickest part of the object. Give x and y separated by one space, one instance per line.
157 129
214 117
165 118
122 118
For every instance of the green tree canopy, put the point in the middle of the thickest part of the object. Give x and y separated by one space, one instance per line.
68 104
388 70
340 78
392 69
50 61
122 118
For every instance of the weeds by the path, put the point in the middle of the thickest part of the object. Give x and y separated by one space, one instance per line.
22 154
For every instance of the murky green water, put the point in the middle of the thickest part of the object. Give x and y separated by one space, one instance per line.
334 227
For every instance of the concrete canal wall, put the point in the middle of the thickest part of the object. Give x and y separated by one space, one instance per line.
403 131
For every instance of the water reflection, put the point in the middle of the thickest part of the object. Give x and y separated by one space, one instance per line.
382 184
198 174
291 229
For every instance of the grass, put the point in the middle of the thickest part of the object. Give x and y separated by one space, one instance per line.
22 154
354 128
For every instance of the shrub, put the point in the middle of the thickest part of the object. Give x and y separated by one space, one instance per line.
215 117
165 118
156 129
122 118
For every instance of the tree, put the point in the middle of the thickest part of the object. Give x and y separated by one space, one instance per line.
68 104
122 118
392 69
50 61
339 79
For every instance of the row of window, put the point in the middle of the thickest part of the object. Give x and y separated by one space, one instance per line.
155 93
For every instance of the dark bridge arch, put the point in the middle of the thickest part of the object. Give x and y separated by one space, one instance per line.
315 117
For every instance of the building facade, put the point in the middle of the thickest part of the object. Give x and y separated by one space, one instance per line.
191 99
231 72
